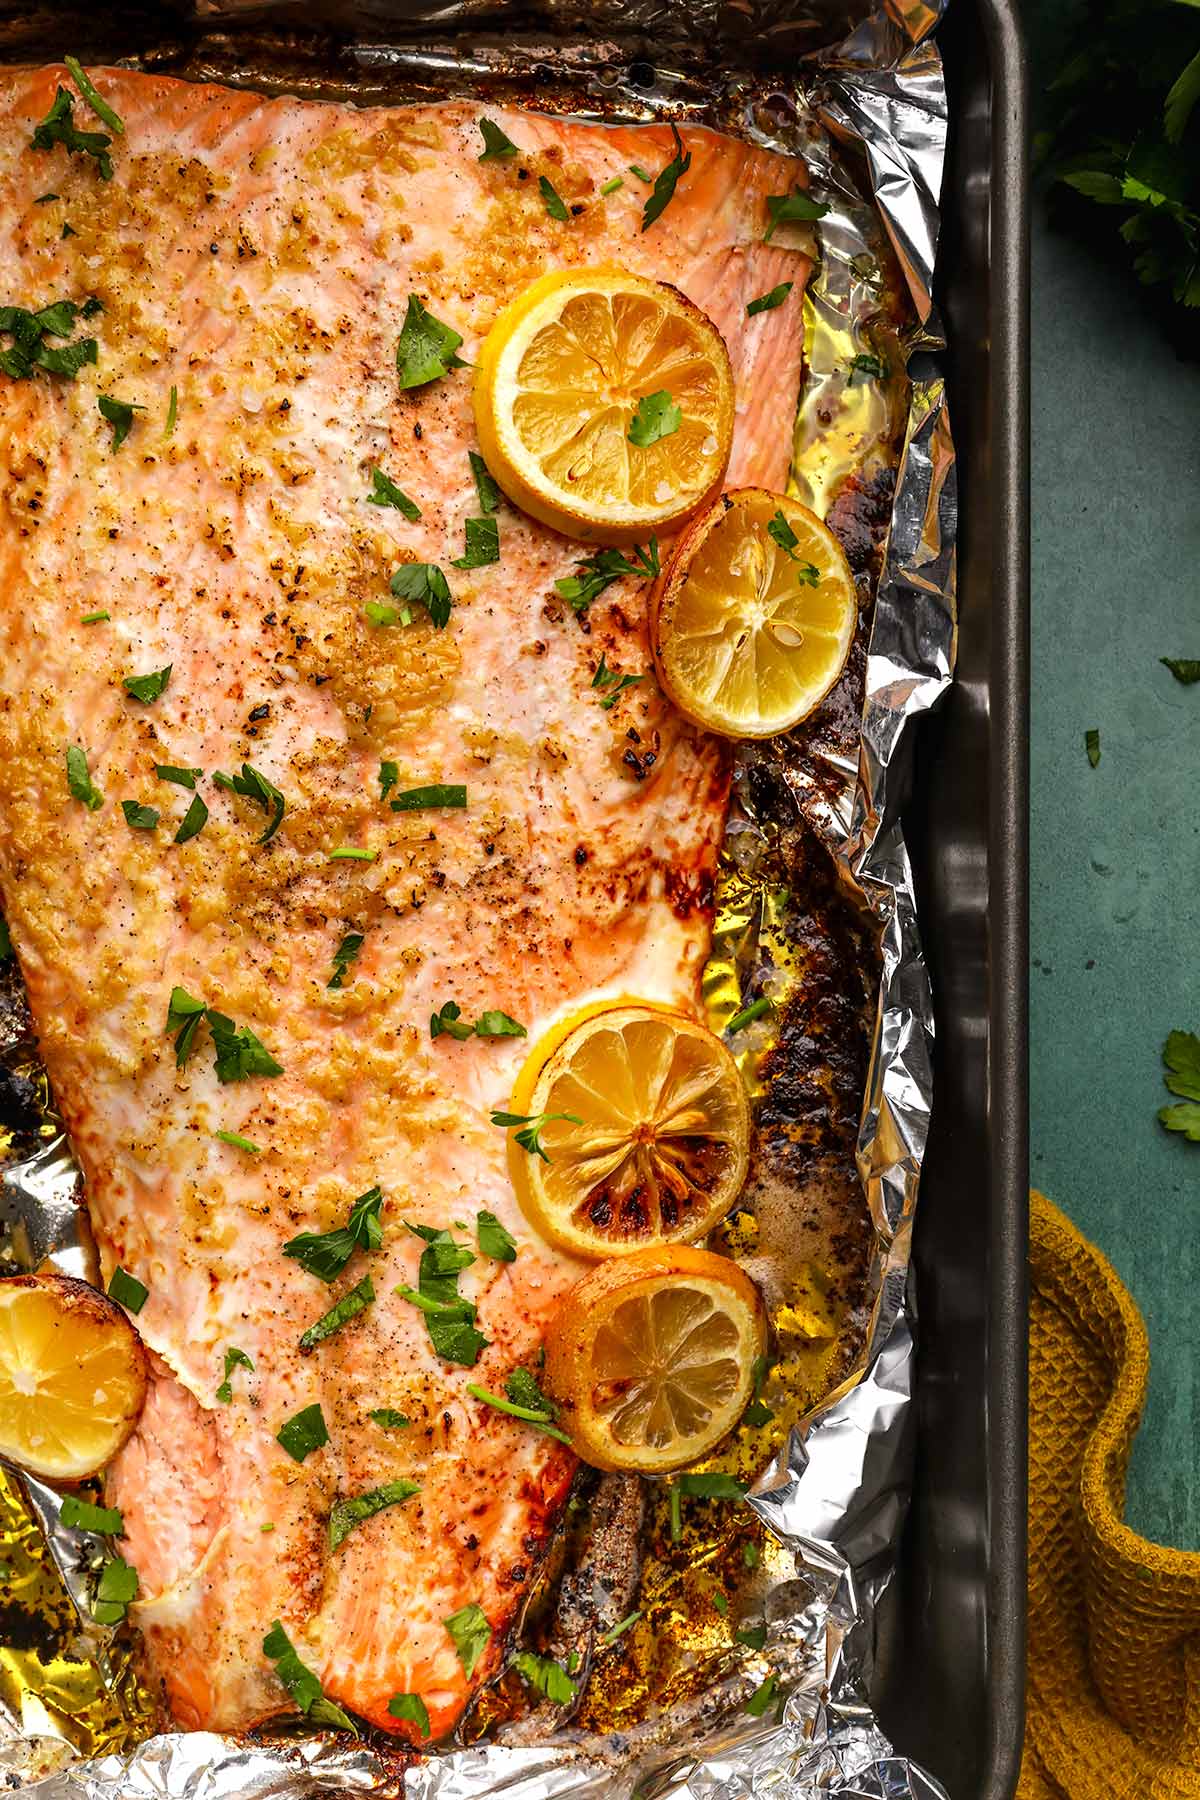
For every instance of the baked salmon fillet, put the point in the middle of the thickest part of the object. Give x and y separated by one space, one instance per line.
253 261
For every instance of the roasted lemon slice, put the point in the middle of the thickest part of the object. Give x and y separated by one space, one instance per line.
72 1376
650 1358
646 1133
753 616
604 404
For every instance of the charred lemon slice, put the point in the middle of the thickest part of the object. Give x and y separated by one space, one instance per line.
72 1376
650 1359
753 616
646 1133
604 404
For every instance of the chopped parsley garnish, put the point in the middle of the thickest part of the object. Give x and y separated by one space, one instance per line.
412 1708
352 853
389 775
595 573
426 799
449 1318
655 417
347 1308
710 1487
544 1676
781 533
610 187
95 99
1186 670
193 822
380 613
234 1359
301 1683
751 1555
555 205
28 350
251 785
469 1629
238 1054
185 1015
181 777
618 1631
304 1432
388 1419
748 1014
1091 743
496 145
525 1401
384 492
346 1514
172 412
80 782
58 127
119 414
753 1636
45 199
485 487
865 364
448 1022
791 209
236 1141
483 544
665 183
425 584
533 1125
346 953
769 301
139 817
1181 1060
606 677
427 349
494 1239
81 1515
757 1413
127 1290
95 618
763 1698
116 1589
326 1253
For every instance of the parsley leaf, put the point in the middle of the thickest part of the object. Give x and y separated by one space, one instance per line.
115 1590
234 1359
485 487
1181 1059
301 1683
471 1634
388 1419
763 1697
326 1253
119 414
781 533
346 1514
866 364
147 687
28 330
426 799
791 209
753 1636
448 1021
769 301
95 99
1091 743
138 817
239 1054
81 1515
82 787
665 183
656 416
253 786
193 822
389 775
496 145
304 1432
545 1677
556 206
186 778
711 1487
427 349
425 583
184 1018
495 1024
347 1308
494 1239
597 572
58 127
449 1318
127 1290
384 492
606 677
412 1708
346 953
483 544
530 1137
1184 669
540 1414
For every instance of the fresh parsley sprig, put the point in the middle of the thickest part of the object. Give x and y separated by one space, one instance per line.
252 785
599 571
448 1022
665 182
58 127
326 1253
532 1126
301 1683
796 208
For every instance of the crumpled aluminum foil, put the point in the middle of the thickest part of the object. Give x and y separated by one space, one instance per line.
835 1495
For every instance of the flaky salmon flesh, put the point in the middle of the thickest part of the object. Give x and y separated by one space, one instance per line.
253 261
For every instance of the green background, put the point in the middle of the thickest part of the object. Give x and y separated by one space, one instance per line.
1115 903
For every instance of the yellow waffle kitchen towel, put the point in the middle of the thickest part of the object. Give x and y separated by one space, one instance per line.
1113 1688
